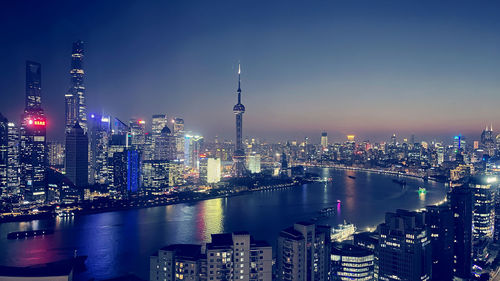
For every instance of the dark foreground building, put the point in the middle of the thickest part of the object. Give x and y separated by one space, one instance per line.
404 250
350 262
303 252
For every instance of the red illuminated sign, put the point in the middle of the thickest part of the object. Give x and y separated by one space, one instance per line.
36 122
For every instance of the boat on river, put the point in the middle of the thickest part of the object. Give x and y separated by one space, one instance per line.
342 232
29 233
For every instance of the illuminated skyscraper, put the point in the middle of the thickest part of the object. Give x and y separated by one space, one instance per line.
324 140
192 149
179 137
178 125
155 175
99 138
76 108
55 151
4 159
484 209
126 171
350 262
33 86
238 169
164 148
158 122
253 163
210 169
461 201
138 132
13 159
33 147
404 250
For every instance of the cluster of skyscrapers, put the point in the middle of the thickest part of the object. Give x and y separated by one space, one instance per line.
103 153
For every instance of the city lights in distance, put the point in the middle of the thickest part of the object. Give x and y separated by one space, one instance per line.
491 179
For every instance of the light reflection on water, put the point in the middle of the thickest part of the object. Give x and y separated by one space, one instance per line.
121 242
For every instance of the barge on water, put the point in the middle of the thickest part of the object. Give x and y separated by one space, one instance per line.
30 233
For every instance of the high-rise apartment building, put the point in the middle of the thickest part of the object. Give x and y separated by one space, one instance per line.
229 256
303 252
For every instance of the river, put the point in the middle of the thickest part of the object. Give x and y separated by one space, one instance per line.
121 242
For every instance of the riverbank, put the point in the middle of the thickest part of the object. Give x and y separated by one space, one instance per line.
371 170
102 206
110 239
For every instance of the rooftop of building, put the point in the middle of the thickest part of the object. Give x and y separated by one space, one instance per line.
185 251
225 240
305 223
291 233
345 249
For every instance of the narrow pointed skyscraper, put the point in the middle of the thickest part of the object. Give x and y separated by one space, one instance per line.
76 109
238 169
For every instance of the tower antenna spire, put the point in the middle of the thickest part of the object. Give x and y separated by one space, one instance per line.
239 83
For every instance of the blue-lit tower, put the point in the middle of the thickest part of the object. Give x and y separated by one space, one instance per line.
238 169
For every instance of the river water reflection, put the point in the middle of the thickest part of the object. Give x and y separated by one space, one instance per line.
121 242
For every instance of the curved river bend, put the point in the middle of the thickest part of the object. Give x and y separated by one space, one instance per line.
121 242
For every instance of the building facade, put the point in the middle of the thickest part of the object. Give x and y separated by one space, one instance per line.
33 143
77 153
303 252
76 108
229 256
404 250
350 262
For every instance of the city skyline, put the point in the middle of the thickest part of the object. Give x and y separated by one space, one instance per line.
250 140
311 65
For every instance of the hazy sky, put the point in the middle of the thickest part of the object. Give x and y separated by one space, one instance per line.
369 68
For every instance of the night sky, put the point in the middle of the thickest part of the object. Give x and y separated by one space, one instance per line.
368 68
